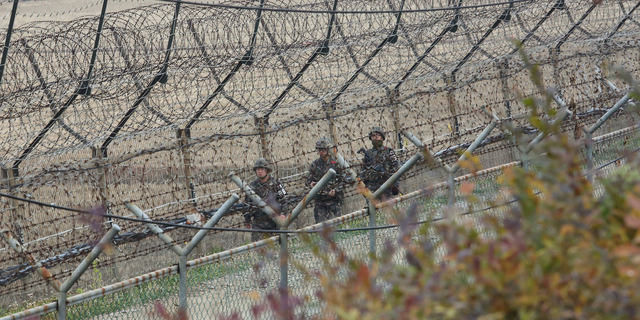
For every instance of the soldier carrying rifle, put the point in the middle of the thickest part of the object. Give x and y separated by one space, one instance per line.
270 190
329 200
380 163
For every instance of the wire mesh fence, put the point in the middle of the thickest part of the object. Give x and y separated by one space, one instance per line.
226 283
157 104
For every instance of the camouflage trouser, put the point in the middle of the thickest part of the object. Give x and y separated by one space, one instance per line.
326 210
262 225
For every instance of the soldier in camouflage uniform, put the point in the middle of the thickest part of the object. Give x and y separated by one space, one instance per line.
272 192
329 199
380 163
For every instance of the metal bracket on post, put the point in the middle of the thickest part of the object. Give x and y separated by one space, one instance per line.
564 113
453 169
425 150
524 151
589 132
184 252
84 265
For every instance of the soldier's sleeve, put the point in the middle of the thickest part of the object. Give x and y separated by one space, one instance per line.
310 177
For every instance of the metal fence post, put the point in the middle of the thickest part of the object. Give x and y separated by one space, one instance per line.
372 223
589 155
452 187
184 252
283 223
589 132
284 263
182 286
84 265
7 40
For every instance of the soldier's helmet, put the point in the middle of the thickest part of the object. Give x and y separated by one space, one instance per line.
324 143
378 130
262 163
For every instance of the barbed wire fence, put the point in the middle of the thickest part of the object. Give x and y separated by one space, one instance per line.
156 105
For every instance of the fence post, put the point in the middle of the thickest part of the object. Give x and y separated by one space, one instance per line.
264 148
11 175
283 223
452 106
183 138
284 263
7 40
329 108
84 265
395 111
589 132
589 156
372 223
183 252
452 188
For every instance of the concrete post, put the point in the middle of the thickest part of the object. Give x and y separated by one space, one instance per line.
455 130
395 112
183 138
262 129
331 122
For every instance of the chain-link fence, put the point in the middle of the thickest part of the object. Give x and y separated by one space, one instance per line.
234 281
155 104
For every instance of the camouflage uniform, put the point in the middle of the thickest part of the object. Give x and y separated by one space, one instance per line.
270 191
376 171
326 207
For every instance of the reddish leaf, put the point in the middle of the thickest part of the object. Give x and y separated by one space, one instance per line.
632 221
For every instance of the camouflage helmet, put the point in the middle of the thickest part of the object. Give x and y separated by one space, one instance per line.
262 163
324 143
378 130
